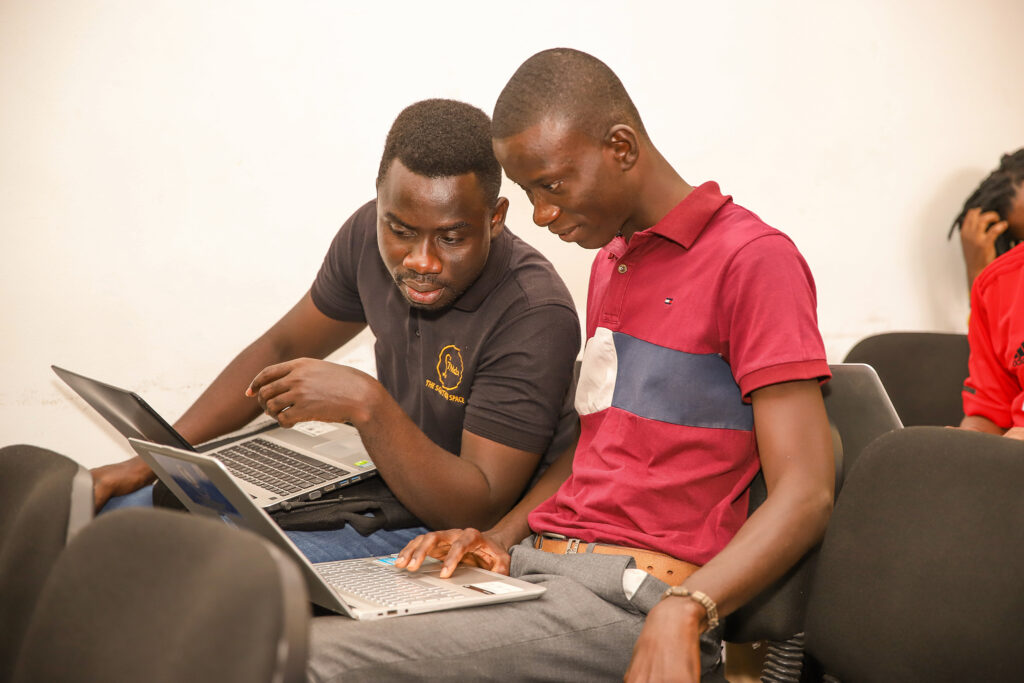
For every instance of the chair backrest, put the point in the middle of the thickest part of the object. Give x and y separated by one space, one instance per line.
45 498
153 595
919 576
923 372
857 416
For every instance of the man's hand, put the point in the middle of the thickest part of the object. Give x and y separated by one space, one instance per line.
978 234
309 389
119 479
455 546
668 648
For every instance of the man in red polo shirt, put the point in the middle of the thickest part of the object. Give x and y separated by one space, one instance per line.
993 394
703 363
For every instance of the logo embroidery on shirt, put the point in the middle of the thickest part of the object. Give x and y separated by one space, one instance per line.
1018 358
449 374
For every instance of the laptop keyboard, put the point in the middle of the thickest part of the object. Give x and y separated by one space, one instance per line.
381 583
276 468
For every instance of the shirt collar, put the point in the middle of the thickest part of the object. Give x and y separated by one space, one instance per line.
687 219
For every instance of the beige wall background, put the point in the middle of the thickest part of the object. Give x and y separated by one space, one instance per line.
171 172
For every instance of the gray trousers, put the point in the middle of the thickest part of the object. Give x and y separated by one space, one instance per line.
582 629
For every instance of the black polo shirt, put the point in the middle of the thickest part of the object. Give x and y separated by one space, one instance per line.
498 362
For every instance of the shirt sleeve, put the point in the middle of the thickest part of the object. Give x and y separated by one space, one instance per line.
520 389
335 291
989 390
770 316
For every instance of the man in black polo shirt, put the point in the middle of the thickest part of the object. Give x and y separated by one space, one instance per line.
476 337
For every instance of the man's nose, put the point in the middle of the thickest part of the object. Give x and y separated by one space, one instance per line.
545 214
422 259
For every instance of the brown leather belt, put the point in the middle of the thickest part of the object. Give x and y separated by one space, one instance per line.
659 565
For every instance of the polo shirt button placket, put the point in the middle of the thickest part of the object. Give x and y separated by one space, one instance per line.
414 322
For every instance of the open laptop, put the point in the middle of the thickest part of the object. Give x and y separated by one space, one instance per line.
367 588
858 407
275 465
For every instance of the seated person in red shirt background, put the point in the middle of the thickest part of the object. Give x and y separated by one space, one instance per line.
993 394
992 220
991 227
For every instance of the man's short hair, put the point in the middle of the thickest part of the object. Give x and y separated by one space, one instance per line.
566 84
441 138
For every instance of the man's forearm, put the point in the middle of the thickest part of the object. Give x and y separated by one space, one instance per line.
977 423
441 488
795 446
514 526
772 540
223 407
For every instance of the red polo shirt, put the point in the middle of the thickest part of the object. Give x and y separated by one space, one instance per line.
683 322
996 336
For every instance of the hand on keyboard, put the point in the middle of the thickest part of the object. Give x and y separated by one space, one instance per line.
455 547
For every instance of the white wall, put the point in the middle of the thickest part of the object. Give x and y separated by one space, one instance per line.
172 171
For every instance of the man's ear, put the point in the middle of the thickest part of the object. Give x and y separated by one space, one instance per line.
623 144
498 217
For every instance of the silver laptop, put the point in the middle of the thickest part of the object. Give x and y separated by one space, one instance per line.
367 588
275 465
858 407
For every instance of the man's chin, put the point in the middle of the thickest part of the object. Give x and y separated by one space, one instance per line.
589 237
592 241
444 300
437 306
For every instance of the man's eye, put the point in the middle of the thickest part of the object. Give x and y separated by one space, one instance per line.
399 231
450 239
552 187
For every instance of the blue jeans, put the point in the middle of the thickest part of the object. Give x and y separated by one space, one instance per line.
318 546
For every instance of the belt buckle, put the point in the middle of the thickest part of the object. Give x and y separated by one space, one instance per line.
572 546
538 538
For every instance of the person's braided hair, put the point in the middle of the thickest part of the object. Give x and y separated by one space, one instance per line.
996 193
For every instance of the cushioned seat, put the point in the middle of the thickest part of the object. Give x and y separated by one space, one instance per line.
154 595
919 575
45 498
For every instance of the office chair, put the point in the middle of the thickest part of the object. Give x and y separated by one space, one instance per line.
923 372
45 498
919 575
856 416
153 595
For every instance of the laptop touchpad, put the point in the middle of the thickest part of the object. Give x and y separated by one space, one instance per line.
335 450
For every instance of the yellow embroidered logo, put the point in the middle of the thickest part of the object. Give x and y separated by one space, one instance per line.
449 367
449 374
